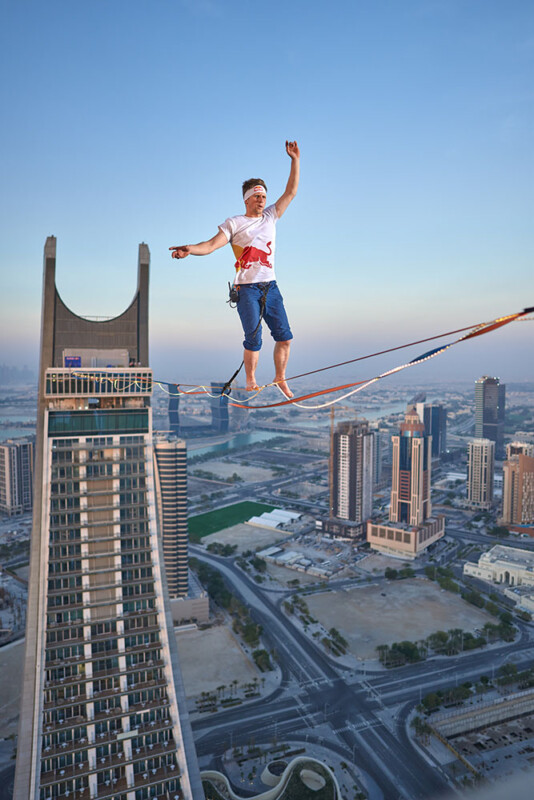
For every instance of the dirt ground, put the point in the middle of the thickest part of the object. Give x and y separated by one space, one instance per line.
211 658
378 562
224 469
246 537
283 575
410 610
11 667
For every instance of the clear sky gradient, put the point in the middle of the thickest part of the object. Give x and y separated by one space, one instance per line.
137 120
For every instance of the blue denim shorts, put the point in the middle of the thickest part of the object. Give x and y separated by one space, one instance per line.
249 308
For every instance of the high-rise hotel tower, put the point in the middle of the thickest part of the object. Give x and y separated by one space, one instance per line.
413 528
103 711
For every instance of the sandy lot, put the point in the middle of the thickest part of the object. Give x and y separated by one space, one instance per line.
411 609
377 563
247 537
223 469
11 666
211 658
283 575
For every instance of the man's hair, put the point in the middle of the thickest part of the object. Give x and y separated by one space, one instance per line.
253 182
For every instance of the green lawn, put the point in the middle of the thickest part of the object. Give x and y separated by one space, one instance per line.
204 524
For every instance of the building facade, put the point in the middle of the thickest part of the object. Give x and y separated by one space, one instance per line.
220 419
506 565
174 413
480 473
352 471
411 472
490 402
412 528
518 485
434 418
103 710
16 475
170 471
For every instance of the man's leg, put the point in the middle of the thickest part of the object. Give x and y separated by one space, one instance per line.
250 359
276 318
281 356
249 309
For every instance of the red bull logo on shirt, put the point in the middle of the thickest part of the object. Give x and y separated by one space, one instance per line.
253 255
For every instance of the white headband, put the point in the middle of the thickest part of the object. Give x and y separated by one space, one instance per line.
255 190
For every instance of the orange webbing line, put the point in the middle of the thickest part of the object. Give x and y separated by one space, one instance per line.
302 397
498 323
479 330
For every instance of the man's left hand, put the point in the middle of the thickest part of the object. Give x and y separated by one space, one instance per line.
292 149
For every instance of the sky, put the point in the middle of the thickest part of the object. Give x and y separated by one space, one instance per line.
128 121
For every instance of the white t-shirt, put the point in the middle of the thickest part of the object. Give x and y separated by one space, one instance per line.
253 240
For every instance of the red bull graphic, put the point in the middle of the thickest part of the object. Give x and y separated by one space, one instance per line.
252 255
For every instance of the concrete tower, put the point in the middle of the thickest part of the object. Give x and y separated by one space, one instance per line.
518 486
352 453
16 475
171 493
103 709
480 471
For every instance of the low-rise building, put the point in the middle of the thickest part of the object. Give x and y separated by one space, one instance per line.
405 541
506 565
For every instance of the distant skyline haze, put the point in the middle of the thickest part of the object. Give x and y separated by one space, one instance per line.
131 122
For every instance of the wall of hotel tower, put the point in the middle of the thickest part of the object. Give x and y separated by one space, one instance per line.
352 454
171 492
103 708
411 472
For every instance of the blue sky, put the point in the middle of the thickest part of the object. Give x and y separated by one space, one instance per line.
129 121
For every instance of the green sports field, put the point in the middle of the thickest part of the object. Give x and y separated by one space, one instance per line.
204 524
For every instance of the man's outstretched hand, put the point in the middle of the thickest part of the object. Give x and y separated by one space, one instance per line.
180 251
292 149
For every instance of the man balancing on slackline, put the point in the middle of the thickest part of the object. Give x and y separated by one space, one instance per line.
252 236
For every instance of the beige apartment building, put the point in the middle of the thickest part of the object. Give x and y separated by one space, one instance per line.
518 485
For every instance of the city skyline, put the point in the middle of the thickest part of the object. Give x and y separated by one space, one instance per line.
414 121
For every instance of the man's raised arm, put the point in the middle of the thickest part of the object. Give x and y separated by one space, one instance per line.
292 149
200 249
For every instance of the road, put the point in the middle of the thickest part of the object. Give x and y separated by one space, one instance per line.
361 715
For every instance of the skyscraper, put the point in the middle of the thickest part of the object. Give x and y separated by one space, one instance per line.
219 408
490 400
518 485
171 494
412 528
480 472
434 418
174 413
352 471
16 475
410 475
103 708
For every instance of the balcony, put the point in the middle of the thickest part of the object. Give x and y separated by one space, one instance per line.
90 382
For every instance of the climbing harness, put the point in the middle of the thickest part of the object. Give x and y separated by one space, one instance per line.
226 390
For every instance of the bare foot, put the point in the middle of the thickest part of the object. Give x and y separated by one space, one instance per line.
284 387
252 386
